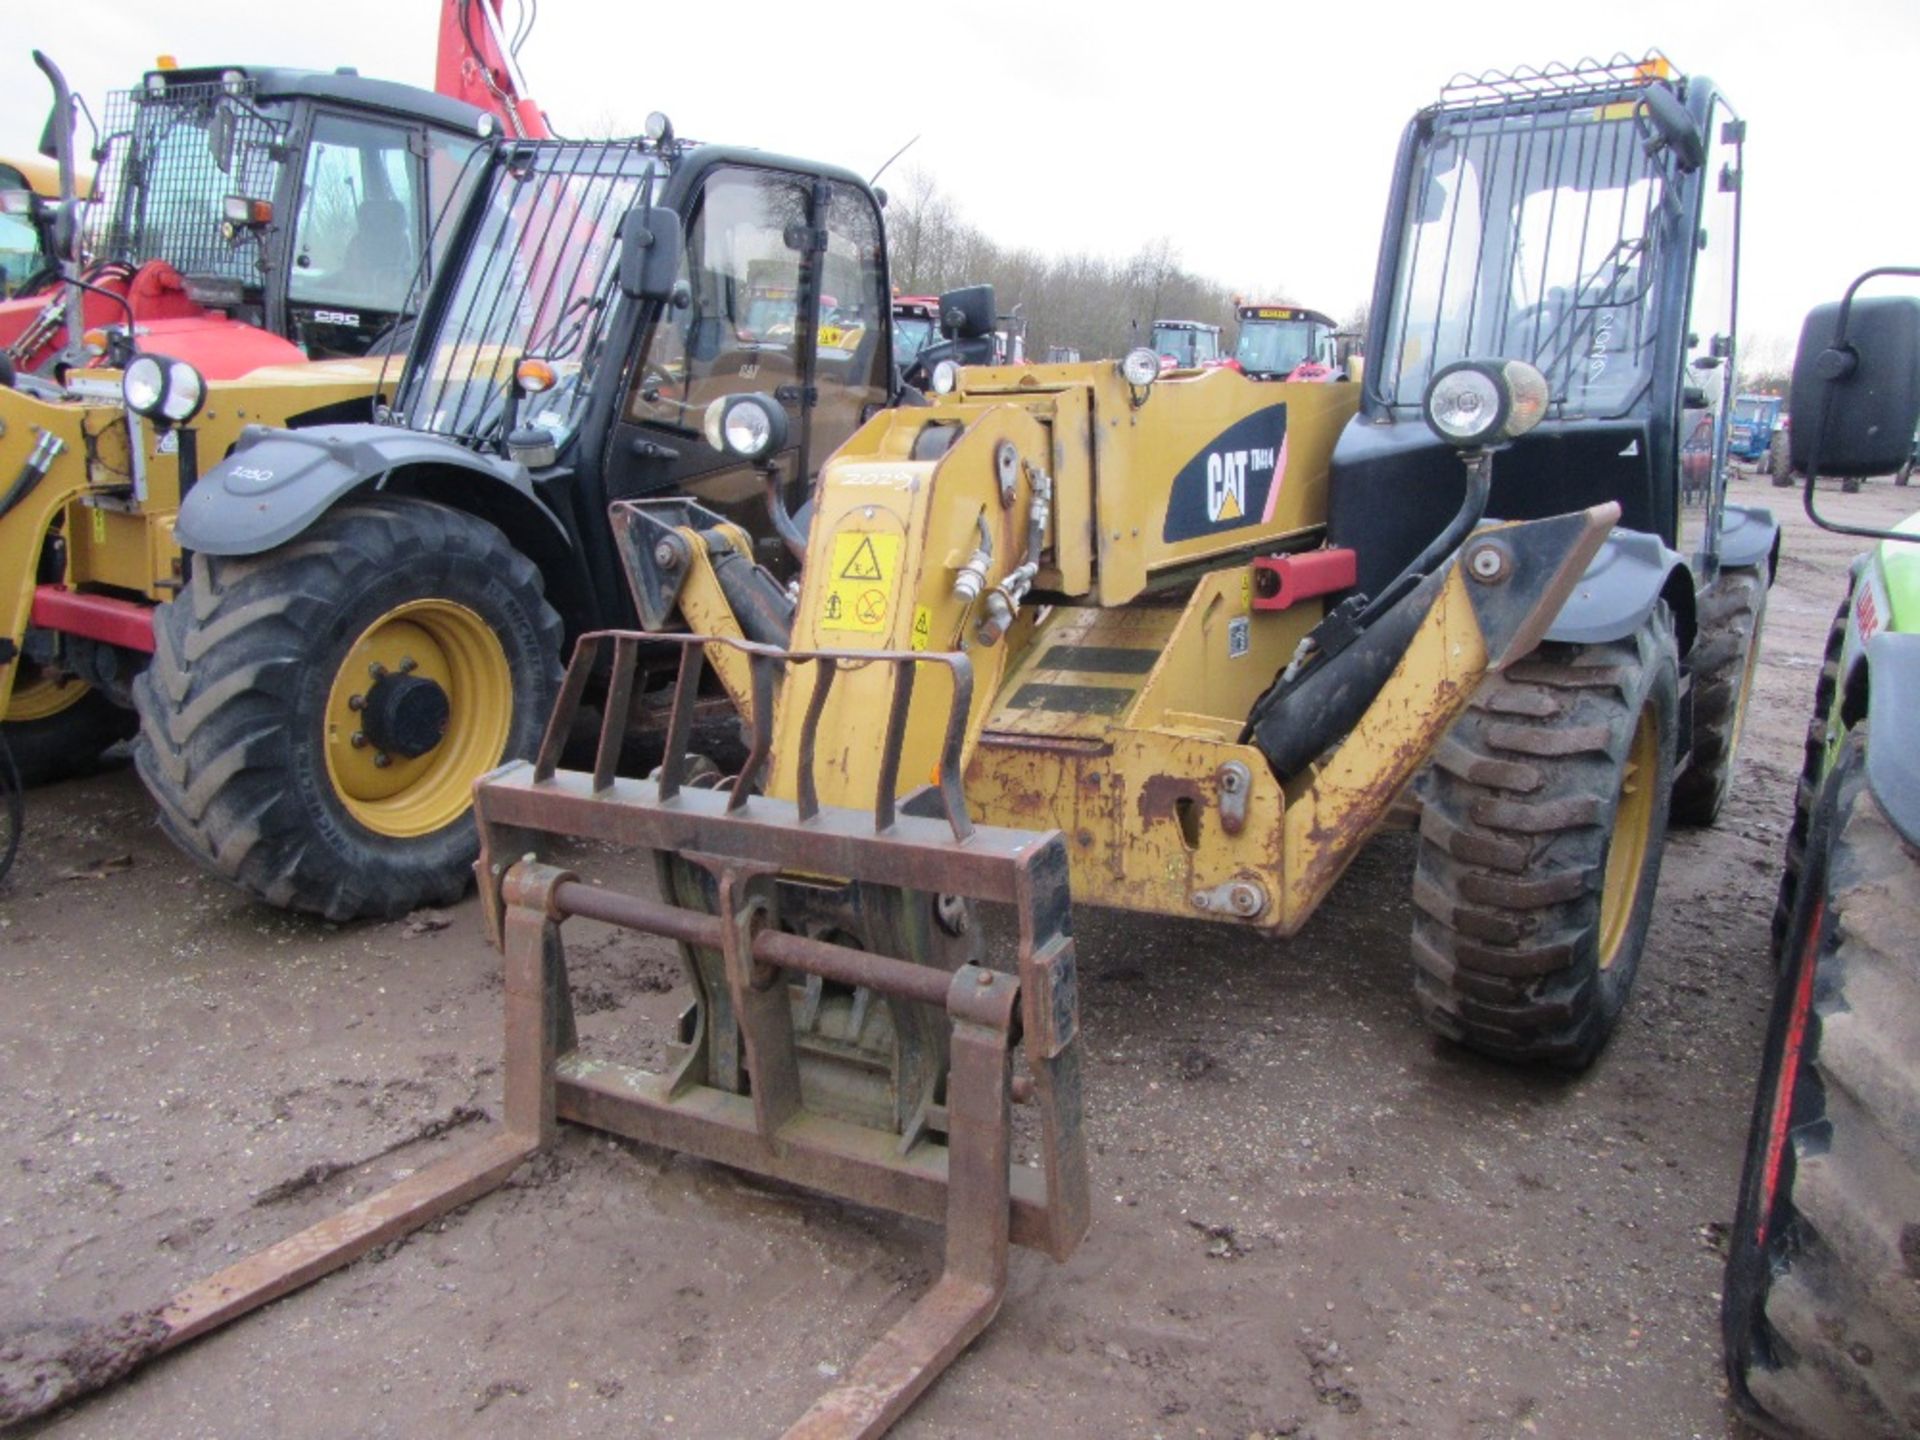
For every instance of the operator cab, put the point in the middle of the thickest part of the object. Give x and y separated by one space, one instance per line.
297 201
916 325
545 354
1185 344
1584 222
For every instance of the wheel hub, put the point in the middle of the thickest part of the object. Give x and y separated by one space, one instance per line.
406 715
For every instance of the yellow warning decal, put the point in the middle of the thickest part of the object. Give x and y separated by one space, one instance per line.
922 626
860 582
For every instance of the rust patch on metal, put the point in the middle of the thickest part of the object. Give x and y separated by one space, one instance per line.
1161 792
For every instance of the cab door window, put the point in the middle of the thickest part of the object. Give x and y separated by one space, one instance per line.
743 332
852 368
357 231
739 333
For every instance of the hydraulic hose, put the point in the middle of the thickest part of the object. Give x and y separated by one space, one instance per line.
33 470
1343 664
790 534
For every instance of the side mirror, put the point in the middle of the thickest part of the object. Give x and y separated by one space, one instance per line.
1856 398
968 313
1673 128
651 247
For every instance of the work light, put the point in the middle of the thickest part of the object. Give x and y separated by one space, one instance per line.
1471 403
167 392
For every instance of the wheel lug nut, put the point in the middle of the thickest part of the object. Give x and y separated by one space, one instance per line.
358 740
376 670
408 665
356 702
381 760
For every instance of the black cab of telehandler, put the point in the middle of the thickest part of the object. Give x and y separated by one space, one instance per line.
1584 220
593 303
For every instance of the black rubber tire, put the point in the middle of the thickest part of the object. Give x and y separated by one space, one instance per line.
1821 1309
1813 764
1780 461
1726 654
232 706
1517 817
70 743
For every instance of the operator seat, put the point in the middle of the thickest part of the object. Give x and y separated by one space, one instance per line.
379 262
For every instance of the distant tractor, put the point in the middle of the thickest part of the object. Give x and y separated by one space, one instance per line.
916 325
1755 419
1276 340
1185 344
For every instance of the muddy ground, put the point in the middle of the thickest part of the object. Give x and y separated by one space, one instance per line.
1310 1218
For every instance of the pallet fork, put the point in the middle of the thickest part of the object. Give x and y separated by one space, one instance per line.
952 1165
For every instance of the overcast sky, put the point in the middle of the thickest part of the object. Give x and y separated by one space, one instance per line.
1259 137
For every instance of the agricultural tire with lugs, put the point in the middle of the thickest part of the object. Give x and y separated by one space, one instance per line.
314 717
1543 820
1725 658
1821 1306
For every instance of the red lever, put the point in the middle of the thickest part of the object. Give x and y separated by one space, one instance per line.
1280 581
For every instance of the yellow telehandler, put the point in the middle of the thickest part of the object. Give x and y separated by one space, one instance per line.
1103 628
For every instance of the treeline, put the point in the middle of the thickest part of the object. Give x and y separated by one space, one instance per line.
1099 307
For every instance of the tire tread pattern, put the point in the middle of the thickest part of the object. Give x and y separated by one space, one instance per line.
1516 813
216 741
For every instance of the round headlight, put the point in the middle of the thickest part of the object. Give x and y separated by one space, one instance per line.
751 427
144 382
659 128
946 377
1140 367
1467 403
186 392
747 430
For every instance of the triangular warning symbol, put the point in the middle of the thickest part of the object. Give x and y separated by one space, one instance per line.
864 564
1230 506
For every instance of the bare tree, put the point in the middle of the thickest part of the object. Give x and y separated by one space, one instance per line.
1096 306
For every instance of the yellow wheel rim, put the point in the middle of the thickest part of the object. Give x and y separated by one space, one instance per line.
40 696
448 644
1632 834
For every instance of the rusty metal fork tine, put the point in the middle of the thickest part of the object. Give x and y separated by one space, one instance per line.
686 686
929 1337
761 666
886 788
586 655
823 674
613 722
952 796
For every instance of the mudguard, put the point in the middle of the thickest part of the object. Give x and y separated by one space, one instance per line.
276 483
1749 537
1613 599
1893 697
